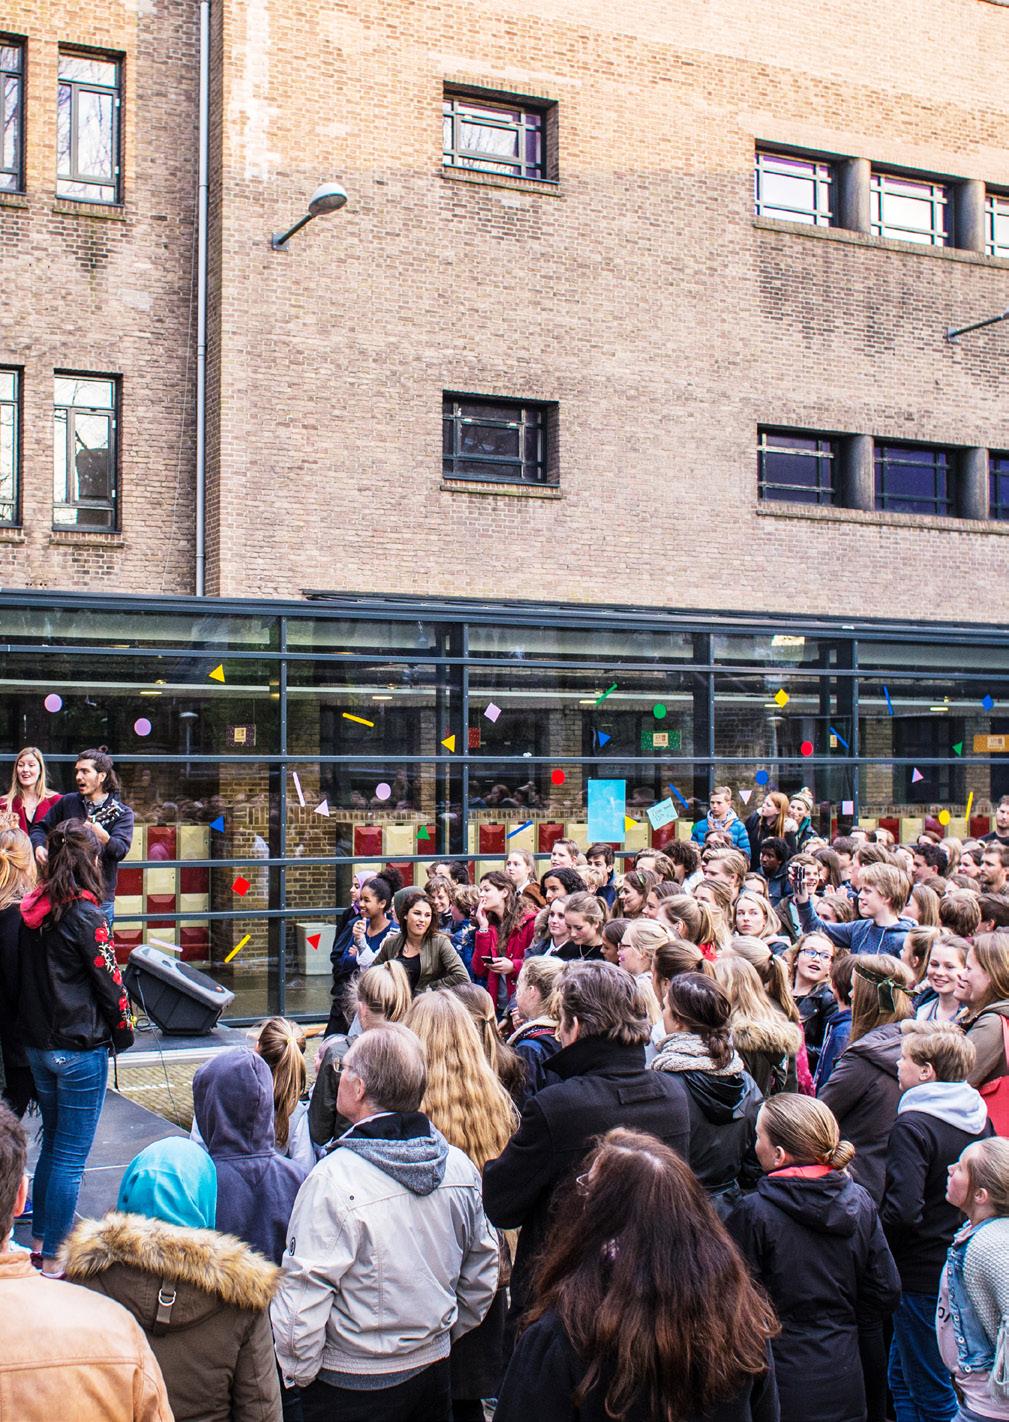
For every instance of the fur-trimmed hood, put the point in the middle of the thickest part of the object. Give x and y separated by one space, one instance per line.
777 1037
135 1254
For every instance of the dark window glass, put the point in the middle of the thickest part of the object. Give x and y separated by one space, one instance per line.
913 210
998 486
10 445
11 115
84 452
795 189
997 224
913 479
796 468
497 441
87 128
496 138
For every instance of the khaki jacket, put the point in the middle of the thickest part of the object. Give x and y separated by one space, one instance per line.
67 1354
440 964
215 1348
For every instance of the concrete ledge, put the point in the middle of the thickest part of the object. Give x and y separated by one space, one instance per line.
883 244
875 519
547 187
511 491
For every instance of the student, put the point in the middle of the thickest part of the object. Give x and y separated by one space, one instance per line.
863 1091
721 816
722 1096
17 878
923 906
836 908
281 1044
440 892
613 936
564 854
201 1297
586 917
915 954
96 801
983 988
972 1319
800 811
844 847
960 912
939 1116
535 1040
633 892
726 867
551 933
520 868
774 856
809 963
771 820
465 899
812 1238
765 1038
753 917
256 1187
505 926
929 859
506 1064
946 962
994 874
1000 834
600 856
591 1349
837 1028
882 893
426 955
559 883
29 798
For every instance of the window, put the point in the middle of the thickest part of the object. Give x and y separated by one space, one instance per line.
87 128
798 468
12 57
913 210
500 442
496 138
998 486
997 224
794 189
10 445
914 478
84 452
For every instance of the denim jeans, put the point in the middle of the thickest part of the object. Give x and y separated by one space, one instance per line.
425 1398
919 1380
108 908
70 1087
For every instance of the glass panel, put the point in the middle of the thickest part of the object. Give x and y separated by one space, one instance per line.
407 638
398 700
60 491
480 138
54 627
8 462
602 646
774 716
10 56
81 390
786 649
9 137
84 69
998 487
8 384
491 440
94 134
63 147
93 473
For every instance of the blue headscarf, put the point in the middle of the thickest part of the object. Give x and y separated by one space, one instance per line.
172 1180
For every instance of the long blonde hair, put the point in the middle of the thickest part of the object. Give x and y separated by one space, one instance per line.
17 866
464 1098
696 917
771 969
42 788
281 1044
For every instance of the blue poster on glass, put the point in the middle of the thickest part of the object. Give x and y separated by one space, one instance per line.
607 807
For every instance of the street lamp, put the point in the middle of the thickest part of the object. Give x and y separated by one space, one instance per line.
327 198
953 331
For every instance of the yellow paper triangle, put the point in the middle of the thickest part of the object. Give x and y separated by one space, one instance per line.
449 743
629 823
217 674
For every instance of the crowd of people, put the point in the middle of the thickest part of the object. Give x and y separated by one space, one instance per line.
720 1136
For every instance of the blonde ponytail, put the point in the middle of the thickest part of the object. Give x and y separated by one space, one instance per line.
282 1046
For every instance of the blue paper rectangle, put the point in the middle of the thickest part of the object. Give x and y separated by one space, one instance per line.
607 807
662 814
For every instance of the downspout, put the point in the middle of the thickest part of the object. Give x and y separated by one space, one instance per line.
202 208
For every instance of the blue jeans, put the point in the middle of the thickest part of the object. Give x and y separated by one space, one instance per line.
108 908
919 1380
70 1087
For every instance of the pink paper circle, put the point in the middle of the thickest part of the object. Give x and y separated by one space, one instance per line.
53 703
142 726
383 791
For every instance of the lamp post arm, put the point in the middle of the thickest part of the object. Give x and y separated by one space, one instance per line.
279 240
954 331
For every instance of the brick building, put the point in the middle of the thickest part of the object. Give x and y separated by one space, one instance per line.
639 309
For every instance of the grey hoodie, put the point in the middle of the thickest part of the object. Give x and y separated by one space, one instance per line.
955 1102
403 1145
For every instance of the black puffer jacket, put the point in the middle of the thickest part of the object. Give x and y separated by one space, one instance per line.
863 1093
70 992
814 1009
723 1113
817 1247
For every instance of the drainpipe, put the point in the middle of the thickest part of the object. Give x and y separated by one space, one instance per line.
201 302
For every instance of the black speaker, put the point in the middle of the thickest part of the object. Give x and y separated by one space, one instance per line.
175 996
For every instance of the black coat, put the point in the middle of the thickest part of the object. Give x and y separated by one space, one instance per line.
595 1085
918 1219
16 1080
817 1247
815 1008
114 816
545 1370
757 830
863 1093
70 992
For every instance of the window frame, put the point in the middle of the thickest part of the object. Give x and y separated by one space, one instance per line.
996 204
998 509
15 405
794 492
454 156
941 199
544 411
17 172
113 414
884 502
78 86
823 176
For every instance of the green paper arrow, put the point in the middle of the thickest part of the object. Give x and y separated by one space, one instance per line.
958 748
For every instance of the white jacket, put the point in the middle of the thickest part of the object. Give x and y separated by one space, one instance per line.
390 1256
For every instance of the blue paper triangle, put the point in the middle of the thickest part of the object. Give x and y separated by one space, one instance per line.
217 824
603 738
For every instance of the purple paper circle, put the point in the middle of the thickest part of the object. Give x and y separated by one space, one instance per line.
53 703
383 791
142 726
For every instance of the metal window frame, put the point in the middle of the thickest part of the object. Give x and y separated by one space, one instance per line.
523 409
996 204
939 196
766 433
456 156
822 176
901 503
16 404
77 87
112 412
17 171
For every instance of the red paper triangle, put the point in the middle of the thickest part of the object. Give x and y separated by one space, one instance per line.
312 939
